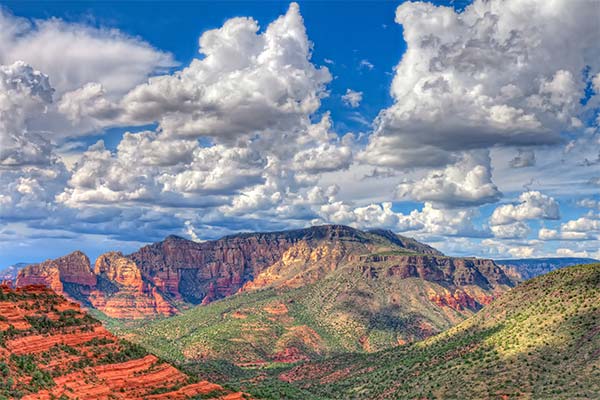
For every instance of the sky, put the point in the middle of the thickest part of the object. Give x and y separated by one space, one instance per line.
473 127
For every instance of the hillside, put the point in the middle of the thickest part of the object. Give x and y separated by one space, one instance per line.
369 303
50 349
540 340
527 268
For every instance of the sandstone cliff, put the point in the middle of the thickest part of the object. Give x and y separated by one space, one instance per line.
115 286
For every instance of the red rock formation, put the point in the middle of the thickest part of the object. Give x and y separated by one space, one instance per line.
119 269
122 294
79 359
147 282
456 271
72 268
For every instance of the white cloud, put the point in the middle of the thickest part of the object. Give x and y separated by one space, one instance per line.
242 142
23 92
583 224
76 54
532 205
247 83
589 203
494 74
468 182
566 252
252 94
352 98
548 234
365 64
583 228
513 249
508 221
429 221
513 230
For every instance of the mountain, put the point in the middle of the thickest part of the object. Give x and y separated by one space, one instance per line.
164 277
527 268
9 274
540 340
336 289
203 272
51 349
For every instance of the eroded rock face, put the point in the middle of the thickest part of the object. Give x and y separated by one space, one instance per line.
456 271
73 268
210 270
119 269
115 286
80 359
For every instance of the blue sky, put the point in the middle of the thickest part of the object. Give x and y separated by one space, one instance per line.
484 141
175 28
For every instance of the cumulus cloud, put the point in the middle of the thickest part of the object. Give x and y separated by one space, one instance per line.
565 252
532 205
76 54
30 172
23 92
513 249
509 220
352 98
468 182
513 230
247 83
587 227
548 234
249 100
494 74
239 140
429 221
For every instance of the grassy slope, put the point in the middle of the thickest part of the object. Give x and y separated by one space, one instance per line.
540 340
343 313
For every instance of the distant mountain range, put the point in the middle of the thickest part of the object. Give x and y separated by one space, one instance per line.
319 313
527 268
10 273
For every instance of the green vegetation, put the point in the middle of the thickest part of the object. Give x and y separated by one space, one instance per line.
345 312
541 340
